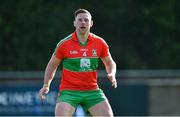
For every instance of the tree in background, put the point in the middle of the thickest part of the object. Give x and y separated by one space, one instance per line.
142 34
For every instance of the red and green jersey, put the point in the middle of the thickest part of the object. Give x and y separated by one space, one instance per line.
80 61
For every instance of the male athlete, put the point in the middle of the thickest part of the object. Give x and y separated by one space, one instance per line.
79 53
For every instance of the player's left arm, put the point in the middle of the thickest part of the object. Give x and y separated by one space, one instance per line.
110 66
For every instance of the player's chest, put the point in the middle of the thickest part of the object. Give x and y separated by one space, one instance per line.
76 51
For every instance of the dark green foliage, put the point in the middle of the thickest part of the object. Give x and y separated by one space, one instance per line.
141 34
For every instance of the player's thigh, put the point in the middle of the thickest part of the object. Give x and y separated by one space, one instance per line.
64 109
103 108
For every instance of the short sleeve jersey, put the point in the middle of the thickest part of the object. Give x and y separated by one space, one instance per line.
80 61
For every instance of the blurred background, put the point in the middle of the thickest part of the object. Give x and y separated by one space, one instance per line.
144 41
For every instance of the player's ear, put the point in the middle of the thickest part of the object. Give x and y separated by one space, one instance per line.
74 23
91 23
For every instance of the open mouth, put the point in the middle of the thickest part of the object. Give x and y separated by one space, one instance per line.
82 27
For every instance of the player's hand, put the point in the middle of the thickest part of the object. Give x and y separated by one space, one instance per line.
42 92
112 78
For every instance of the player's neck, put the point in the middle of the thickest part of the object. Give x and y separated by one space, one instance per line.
82 37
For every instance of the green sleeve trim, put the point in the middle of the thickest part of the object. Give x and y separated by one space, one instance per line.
61 41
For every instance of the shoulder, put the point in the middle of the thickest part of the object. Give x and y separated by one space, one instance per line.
94 36
98 39
64 40
62 44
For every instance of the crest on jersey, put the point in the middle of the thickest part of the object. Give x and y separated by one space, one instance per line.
85 64
94 52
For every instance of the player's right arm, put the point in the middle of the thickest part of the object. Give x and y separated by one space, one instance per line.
49 75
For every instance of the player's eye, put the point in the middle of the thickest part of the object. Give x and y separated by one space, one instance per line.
86 20
80 20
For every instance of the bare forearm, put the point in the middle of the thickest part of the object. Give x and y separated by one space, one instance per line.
111 67
51 70
49 74
111 70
